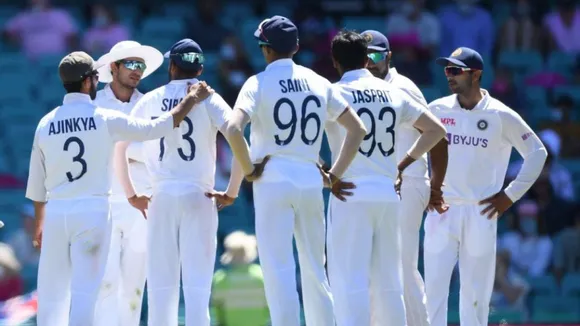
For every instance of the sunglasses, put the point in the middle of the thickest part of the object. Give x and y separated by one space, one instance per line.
133 65
377 57
456 71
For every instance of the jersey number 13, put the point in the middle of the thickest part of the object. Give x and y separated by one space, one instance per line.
190 155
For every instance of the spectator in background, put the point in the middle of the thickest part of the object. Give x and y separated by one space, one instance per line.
42 30
11 284
519 32
205 28
505 90
105 30
563 28
21 239
466 24
566 126
414 26
551 207
510 288
567 249
234 68
528 245
238 296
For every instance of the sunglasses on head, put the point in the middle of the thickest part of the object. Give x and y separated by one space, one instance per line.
455 71
377 57
133 65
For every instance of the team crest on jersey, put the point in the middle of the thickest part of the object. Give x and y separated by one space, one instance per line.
368 37
456 52
481 124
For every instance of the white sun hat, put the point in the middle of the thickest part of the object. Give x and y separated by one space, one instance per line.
129 49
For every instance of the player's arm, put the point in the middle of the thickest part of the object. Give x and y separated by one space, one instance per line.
135 152
355 130
36 190
121 167
516 132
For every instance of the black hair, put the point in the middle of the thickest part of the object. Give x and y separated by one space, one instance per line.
186 73
349 49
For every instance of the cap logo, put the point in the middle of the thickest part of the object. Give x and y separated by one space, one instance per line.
192 57
368 37
456 53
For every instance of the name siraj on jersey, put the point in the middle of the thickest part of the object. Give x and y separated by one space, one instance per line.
293 85
370 96
71 125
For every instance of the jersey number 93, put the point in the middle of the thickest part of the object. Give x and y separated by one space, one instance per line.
292 124
371 136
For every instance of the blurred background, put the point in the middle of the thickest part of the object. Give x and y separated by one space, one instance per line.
531 49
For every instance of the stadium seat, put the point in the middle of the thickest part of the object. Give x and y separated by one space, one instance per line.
571 285
536 97
13 63
521 62
431 93
182 10
569 90
159 26
561 62
555 308
361 24
503 316
282 9
544 285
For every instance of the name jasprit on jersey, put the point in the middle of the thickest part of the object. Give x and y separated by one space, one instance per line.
71 125
293 85
370 96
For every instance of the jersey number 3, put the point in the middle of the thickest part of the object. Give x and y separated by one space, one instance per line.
187 137
77 159
390 130
294 119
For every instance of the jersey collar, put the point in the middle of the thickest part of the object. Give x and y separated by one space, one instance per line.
482 105
355 74
76 97
110 95
391 75
280 63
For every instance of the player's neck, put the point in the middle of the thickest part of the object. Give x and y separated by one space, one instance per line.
470 99
121 92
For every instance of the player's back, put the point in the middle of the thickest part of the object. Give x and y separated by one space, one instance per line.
77 147
188 155
292 105
384 109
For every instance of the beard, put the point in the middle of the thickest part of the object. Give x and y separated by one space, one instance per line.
93 91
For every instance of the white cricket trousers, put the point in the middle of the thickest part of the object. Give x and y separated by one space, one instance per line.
363 245
284 210
75 244
415 193
121 293
182 240
460 233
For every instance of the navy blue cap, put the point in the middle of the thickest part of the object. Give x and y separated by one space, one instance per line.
376 40
463 57
186 54
279 33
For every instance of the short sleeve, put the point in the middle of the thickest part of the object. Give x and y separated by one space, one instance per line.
35 188
412 109
248 96
218 110
336 103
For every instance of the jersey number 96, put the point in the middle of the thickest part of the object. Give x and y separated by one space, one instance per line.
304 119
371 136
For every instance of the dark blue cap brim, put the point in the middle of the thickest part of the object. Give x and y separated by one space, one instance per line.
443 61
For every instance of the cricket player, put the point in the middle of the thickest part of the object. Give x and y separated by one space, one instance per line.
363 239
122 69
183 220
288 106
69 182
417 185
482 132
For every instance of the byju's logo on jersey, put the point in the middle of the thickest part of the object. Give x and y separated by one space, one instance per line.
482 124
464 140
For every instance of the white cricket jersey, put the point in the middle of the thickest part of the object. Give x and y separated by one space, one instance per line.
408 135
288 105
480 145
107 99
185 160
73 146
385 110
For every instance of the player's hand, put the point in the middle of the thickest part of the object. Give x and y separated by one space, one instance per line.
222 200
436 201
199 91
496 204
337 187
258 170
141 203
399 183
37 239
